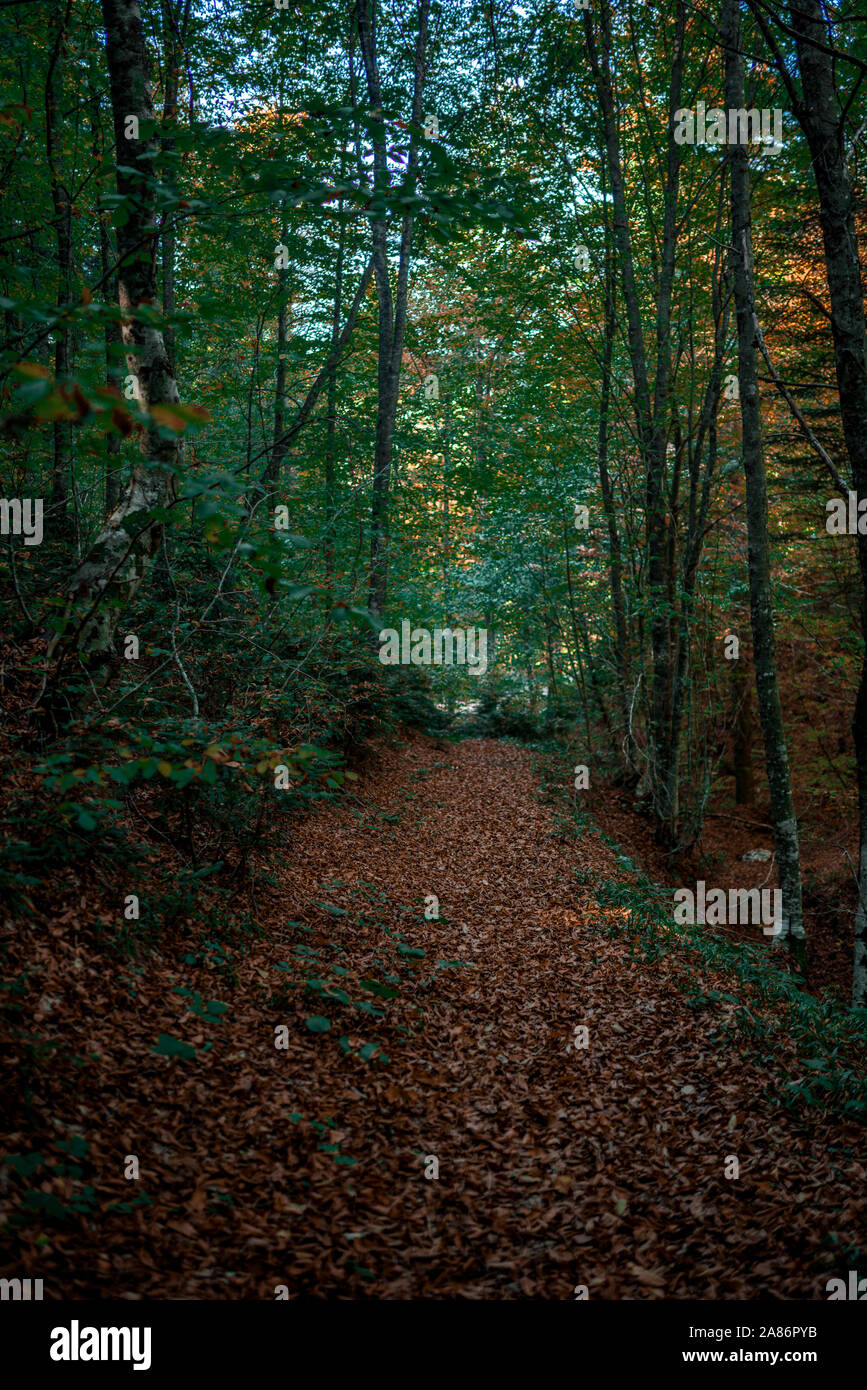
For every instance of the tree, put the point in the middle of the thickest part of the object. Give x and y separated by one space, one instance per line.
822 111
392 304
761 598
110 574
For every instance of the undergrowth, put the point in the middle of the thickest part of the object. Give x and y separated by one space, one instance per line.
775 1009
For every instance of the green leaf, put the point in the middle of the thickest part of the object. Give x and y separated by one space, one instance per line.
384 991
47 1202
167 1046
76 1146
318 1024
24 1164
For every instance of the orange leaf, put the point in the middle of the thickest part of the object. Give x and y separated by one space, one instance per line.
31 369
164 415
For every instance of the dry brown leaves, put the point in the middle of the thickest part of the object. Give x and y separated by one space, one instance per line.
305 1166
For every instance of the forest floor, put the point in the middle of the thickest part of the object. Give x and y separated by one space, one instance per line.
309 1164
828 832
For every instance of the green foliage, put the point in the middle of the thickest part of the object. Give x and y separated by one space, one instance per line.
73 1198
412 703
167 1046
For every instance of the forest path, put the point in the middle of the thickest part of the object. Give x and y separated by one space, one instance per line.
558 1167
302 1165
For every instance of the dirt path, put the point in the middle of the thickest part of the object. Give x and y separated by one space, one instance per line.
305 1165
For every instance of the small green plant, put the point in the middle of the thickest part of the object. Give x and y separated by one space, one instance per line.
820 1027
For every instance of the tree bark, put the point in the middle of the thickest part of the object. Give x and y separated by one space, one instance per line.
113 375
110 574
175 22
330 536
622 656
651 417
392 307
62 203
742 735
281 444
761 610
820 118
284 442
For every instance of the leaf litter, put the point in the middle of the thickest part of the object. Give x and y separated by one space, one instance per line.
406 1040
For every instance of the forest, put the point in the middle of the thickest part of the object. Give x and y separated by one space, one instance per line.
433 832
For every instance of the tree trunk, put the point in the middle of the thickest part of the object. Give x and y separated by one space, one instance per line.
62 204
392 308
743 735
113 374
108 577
761 611
331 425
622 657
582 644
819 116
171 60
281 444
651 419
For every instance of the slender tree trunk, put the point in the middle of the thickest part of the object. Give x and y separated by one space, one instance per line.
582 642
622 656
661 520
743 734
698 507
109 576
819 115
281 444
288 436
651 419
331 424
447 488
578 657
62 204
482 379
171 58
113 374
761 610
392 307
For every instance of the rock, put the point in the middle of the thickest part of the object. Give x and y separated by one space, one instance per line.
756 856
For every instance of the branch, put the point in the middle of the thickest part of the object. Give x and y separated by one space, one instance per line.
793 407
331 360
